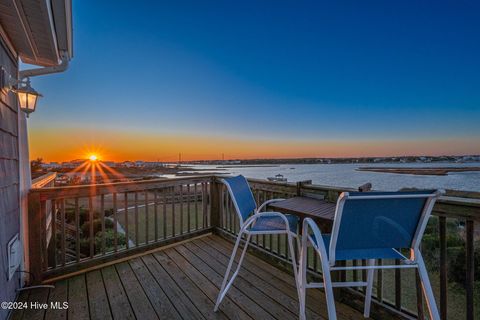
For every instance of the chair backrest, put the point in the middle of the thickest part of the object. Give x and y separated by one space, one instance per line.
242 196
377 220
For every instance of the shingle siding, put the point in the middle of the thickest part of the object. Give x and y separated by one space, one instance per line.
9 180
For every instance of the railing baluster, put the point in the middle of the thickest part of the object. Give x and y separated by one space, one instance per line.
264 237
155 212
188 208
270 240
227 212
208 188
77 231
380 282
420 314
127 235
164 213
173 211
43 236
470 263
54 232
136 219
222 206
205 205
102 217
442 230
257 200
364 273
90 220
62 223
115 223
398 287
354 272
234 216
196 205
181 209
146 217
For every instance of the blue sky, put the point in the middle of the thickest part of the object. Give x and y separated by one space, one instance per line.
307 71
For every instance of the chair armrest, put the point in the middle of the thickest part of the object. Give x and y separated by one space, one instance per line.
254 217
266 203
308 223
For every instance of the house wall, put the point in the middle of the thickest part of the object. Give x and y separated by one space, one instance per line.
9 178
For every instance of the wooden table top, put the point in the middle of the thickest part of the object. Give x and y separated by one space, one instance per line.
321 211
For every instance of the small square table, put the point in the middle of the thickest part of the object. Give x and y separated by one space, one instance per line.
321 211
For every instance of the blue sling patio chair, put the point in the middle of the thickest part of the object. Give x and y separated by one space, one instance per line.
370 226
255 222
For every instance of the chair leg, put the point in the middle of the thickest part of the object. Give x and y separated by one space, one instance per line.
302 285
294 262
368 290
225 286
427 288
327 283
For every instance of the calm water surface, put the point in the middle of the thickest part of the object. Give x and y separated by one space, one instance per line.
346 175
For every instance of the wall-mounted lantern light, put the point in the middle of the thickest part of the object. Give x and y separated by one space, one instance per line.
27 96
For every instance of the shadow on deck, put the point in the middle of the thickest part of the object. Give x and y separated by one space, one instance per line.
180 282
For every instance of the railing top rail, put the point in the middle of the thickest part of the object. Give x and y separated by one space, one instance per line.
43 180
454 206
99 189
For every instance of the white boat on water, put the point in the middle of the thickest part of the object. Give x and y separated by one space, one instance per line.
278 178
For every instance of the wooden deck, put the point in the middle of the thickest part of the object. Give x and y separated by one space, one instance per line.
180 282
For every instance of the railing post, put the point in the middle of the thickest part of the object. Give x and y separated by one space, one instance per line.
215 198
299 186
470 263
36 236
442 230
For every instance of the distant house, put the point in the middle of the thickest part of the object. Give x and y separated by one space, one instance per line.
35 32
110 164
127 164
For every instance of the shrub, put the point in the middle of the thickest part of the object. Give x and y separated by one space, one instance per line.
109 240
97 226
457 266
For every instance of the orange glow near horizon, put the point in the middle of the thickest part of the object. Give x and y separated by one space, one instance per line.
122 146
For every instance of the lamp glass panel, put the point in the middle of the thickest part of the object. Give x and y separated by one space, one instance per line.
22 99
32 100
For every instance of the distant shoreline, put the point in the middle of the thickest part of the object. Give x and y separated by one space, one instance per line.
430 171
249 166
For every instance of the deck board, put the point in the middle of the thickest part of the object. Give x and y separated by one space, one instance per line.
174 293
248 305
58 295
156 295
203 304
119 304
232 310
78 298
97 296
141 305
36 295
280 296
275 308
180 282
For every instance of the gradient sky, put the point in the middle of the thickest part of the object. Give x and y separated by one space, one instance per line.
256 79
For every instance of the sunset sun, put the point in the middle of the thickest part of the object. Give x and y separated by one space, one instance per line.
93 157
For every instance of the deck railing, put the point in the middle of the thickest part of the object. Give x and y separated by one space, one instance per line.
77 227
396 292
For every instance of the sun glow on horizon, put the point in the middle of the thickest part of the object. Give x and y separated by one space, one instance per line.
93 157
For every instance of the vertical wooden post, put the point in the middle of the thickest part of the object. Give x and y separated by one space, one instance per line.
442 230
470 268
215 198
37 236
